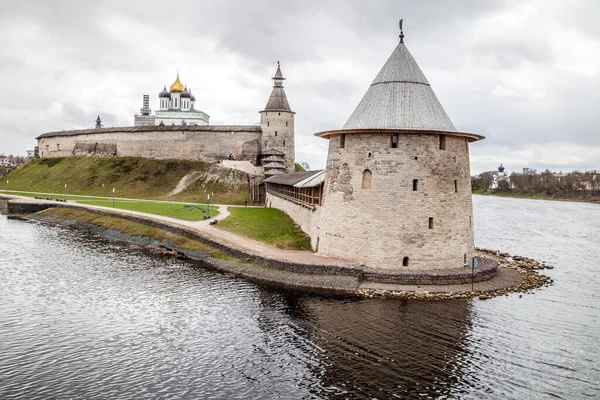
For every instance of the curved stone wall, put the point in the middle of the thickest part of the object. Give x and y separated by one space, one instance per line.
184 144
375 212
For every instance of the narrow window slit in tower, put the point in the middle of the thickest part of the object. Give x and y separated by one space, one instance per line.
284 143
405 262
416 158
366 179
268 123
470 221
415 185
465 257
342 140
430 222
275 133
369 155
394 140
286 123
455 186
442 142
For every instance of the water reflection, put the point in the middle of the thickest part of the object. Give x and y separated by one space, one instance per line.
83 317
385 348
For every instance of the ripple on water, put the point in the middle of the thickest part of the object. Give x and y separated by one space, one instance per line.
82 317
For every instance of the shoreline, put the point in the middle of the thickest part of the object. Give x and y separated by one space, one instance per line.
511 276
516 196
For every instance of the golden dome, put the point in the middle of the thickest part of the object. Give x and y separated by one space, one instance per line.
177 86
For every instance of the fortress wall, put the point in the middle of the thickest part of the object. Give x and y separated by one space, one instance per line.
307 219
210 146
382 225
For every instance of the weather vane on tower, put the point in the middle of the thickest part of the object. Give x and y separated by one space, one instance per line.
401 32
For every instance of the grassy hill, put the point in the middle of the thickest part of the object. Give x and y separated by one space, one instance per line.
132 177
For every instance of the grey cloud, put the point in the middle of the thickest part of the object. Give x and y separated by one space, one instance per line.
348 40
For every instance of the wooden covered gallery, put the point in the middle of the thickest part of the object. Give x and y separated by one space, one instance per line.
302 188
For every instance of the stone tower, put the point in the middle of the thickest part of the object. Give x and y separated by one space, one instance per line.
397 188
277 123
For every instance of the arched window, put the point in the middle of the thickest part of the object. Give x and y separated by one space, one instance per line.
405 262
268 123
366 179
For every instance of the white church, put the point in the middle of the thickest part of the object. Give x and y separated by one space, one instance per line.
176 108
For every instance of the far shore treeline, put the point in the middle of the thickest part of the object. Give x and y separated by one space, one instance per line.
576 185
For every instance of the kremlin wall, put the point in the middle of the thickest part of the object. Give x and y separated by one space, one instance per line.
395 195
269 144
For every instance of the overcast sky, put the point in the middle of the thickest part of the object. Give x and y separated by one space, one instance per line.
525 74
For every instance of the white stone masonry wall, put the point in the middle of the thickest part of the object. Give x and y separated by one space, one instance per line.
307 219
209 146
381 225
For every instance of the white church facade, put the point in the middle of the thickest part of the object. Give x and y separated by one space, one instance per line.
176 107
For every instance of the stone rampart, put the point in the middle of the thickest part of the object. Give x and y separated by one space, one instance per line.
204 143
487 268
306 218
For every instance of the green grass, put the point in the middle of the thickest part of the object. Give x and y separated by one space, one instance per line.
129 227
132 177
136 229
174 210
178 211
267 225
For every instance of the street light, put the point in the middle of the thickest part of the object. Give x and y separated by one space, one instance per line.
7 186
65 192
30 186
103 190
208 205
113 197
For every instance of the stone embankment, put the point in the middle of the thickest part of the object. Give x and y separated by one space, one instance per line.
306 271
526 268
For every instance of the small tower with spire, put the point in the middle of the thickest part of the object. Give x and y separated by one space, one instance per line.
277 123
98 123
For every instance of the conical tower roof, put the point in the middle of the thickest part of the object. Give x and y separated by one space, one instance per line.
401 98
278 100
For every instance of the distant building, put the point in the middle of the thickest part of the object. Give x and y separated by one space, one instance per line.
498 177
181 132
176 107
144 118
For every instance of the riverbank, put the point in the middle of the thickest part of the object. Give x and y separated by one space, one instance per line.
482 192
300 270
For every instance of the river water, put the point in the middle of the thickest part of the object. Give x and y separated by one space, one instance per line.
86 318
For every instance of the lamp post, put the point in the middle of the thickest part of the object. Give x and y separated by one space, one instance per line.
208 205
7 186
113 197
30 186
103 190
65 192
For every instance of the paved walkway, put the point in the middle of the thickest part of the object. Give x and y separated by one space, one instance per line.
505 277
213 232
